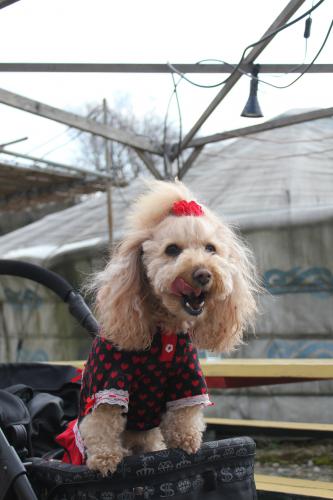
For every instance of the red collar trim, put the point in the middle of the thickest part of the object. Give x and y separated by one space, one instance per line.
169 343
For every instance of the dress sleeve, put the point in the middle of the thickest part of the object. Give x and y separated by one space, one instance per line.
188 387
108 379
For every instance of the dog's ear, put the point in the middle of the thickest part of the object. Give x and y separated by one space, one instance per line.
121 297
229 316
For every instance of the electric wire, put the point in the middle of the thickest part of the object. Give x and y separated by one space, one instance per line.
67 129
306 68
165 124
254 44
180 121
273 33
53 138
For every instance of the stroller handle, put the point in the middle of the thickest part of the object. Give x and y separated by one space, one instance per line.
76 304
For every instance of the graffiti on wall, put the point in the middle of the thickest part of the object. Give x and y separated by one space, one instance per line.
25 297
300 349
318 280
31 356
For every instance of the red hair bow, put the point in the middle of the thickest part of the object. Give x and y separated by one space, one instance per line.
184 207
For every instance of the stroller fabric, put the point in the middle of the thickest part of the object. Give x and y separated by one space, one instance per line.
15 422
44 399
221 469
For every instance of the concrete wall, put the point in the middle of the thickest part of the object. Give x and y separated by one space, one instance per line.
296 321
35 325
295 318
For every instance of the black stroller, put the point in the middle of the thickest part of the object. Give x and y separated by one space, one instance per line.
36 402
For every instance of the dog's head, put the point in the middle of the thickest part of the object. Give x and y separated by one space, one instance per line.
181 268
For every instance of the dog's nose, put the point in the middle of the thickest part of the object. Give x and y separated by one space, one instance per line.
202 276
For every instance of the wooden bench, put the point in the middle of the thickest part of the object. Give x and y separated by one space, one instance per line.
236 373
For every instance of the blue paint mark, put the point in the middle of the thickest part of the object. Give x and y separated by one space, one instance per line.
300 349
28 356
318 280
25 297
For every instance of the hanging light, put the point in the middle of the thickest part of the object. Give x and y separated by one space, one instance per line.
252 108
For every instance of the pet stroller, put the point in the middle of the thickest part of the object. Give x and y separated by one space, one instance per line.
37 400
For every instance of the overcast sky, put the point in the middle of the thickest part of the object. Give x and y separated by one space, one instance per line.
128 31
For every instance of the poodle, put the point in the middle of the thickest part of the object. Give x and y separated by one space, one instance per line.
180 280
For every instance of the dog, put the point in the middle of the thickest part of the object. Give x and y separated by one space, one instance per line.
180 280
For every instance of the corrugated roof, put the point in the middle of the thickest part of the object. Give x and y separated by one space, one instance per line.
80 227
276 178
22 186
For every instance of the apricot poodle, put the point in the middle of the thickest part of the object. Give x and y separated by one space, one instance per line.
180 280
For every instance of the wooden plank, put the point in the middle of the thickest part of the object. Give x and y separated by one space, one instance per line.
196 68
295 481
294 486
76 121
148 161
189 161
5 3
29 196
56 165
13 171
282 18
261 127
299 368
270 424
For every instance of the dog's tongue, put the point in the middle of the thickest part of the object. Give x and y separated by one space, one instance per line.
180 287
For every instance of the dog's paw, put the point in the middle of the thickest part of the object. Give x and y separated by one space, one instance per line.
104 463
190 443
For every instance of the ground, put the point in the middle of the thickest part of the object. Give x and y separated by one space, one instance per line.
307 459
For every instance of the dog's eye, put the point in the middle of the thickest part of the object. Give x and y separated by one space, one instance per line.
210 248
173 250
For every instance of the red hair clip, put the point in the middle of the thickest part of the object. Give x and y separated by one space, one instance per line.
184 207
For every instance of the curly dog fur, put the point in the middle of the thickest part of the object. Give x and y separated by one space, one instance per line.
134 296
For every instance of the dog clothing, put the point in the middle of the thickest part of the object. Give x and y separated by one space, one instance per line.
144 383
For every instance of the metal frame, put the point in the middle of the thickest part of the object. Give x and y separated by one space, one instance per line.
261 127
73 120
143 146
282 18
6 3
18 67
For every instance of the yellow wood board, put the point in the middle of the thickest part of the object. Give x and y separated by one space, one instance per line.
271 424
294 486
300 368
